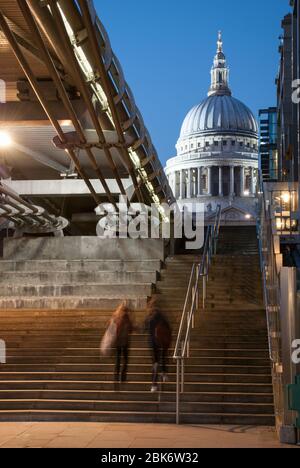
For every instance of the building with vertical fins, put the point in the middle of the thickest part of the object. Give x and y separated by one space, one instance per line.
268 144
217 151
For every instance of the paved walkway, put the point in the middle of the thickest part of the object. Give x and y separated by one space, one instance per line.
99 435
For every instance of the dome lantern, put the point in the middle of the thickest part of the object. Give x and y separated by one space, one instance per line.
220 113
219 72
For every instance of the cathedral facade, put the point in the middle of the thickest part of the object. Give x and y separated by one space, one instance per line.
217 152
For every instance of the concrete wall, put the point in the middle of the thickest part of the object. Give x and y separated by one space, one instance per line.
83 248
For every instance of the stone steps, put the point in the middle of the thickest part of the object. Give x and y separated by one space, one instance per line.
134 360
76 284
208 377
137 396
136 353
133 368
134 417
103 291
135 406
54 371
29 278
223 388
138 340
71 302
88 266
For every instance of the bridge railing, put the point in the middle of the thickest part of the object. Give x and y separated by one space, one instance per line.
25 216
195 298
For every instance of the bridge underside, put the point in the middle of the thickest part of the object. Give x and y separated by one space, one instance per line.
76 136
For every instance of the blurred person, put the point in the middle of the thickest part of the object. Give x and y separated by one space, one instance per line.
123 326
160 339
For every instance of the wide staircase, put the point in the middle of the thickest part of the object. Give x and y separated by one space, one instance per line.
54 370
76 284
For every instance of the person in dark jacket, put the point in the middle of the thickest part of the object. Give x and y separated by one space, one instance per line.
124 328
160 337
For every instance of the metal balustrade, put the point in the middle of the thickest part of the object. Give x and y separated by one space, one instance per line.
25 216
271 291
196 293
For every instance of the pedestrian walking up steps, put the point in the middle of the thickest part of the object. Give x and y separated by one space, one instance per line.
54 372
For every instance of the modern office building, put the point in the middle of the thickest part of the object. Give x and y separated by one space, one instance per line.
287 160
268 149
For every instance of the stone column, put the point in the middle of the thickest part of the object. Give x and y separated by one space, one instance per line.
192 182
252 182
232 171
181 185
242 183
189 184
174 184
220 181
199 189
195 183
209 169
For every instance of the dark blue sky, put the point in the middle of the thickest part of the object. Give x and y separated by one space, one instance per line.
166 48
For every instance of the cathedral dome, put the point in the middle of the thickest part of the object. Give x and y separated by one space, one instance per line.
217 153
219 113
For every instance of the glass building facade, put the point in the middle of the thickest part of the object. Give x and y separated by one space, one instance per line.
268 148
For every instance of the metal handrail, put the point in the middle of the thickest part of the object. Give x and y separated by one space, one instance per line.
272 300
271 283
191 305
25 215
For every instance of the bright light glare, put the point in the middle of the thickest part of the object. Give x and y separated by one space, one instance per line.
286 197
248 216
246 193
5 139
280 224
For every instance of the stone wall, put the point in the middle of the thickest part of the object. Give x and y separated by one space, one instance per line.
83 248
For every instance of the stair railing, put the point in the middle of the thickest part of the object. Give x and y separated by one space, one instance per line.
196 293
272 299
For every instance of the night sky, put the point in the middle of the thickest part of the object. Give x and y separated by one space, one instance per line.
166 48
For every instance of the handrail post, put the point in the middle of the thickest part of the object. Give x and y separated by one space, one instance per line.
178 391
204 292
182 375
197 293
